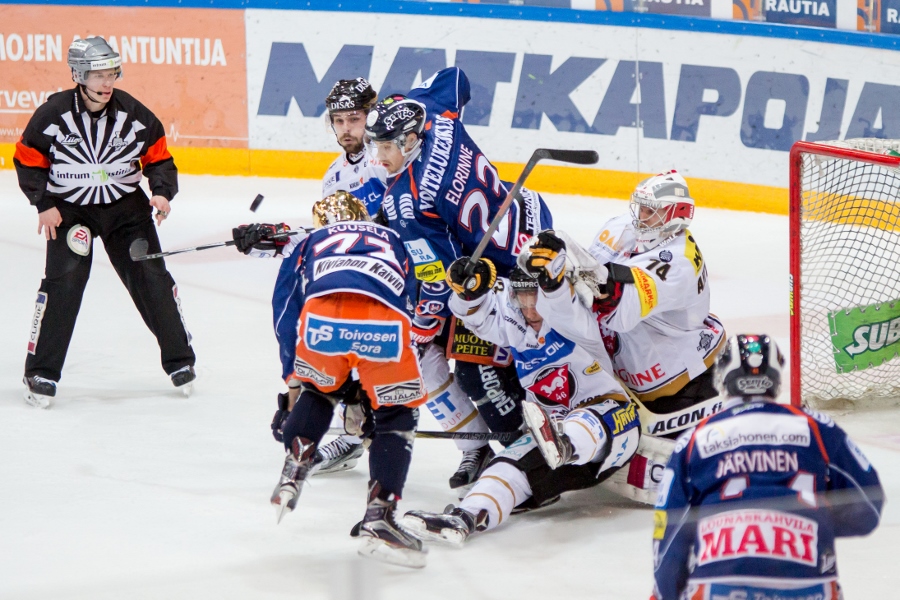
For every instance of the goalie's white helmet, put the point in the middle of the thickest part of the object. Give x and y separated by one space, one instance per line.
749 365
92 54
660 207
338 207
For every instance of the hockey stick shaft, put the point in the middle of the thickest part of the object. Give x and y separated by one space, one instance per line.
578 157
137 254
451 435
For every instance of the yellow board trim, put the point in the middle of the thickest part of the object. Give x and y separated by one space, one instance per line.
545 178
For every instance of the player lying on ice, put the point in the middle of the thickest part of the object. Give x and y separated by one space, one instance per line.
582 426
753 498
347 303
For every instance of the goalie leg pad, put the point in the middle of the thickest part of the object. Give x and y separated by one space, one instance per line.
588 435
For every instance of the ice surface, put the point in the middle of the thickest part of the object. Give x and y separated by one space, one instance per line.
126 489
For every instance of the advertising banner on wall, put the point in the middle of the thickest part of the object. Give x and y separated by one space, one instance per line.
890 16
714 106
187 65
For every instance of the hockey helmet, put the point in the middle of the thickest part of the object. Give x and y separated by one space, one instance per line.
92 54
661 206
521 282
749 365
394 117
338 207
351 94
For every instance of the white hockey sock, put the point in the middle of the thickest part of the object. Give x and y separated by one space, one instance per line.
586 433
500 488
446 401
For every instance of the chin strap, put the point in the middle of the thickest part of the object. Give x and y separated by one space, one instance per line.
87 93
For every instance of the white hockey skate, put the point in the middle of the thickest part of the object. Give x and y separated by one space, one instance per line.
337 455
553 444
183 379
450 528
383 539
297 465
39 391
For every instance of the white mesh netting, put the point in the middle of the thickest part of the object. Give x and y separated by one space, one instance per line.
849 277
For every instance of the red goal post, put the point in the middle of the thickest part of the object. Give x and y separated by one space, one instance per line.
844 271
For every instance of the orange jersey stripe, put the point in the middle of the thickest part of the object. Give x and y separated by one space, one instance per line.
157 152
30 157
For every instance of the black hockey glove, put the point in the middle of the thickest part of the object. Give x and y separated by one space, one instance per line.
280 417
258 236
476 285
547 260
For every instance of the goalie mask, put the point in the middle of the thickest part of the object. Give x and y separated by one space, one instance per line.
749 365
660 207
92 54
338 207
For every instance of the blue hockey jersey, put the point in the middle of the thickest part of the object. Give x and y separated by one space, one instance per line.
445 200
354 256
756 494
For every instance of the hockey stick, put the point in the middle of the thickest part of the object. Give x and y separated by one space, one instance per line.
138 249
577 157
451 435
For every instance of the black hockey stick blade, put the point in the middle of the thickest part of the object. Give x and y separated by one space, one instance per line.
256 202
138 249
575 157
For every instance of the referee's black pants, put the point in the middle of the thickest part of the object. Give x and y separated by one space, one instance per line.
66 274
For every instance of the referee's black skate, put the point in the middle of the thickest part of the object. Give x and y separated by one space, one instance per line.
381 536
473 463
451 527
297 465
183 379
39 391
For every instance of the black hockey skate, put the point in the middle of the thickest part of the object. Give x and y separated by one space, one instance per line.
297 465
451 527
337 455
183 379
383 539
39 391
553 444
473 463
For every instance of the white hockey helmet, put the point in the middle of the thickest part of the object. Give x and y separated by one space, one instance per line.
660 207
92 54
749 365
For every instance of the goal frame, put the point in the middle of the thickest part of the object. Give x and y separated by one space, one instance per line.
795 281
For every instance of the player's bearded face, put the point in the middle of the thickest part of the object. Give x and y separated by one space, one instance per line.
349 129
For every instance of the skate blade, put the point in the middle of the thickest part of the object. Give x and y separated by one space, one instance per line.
342 466
447 536
371 547
187 389
283 505
539 423
37 400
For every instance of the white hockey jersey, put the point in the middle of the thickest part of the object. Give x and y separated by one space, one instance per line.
661 334
557 373
351 173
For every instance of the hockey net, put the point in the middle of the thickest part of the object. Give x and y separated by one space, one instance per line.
845 273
